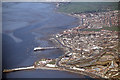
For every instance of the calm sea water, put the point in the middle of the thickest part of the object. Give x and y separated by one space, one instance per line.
28 25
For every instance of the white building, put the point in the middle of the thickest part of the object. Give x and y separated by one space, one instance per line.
50 65
78 69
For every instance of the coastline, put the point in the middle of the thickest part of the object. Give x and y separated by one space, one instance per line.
97 56
50 68
27 57
68 69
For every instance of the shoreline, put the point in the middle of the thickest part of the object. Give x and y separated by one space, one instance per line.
63 68
97 56
50 68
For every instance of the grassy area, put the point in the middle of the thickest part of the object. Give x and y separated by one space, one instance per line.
78 7
113 28
91 29
52 62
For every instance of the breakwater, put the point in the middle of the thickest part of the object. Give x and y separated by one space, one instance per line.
52 68
44 48
19 69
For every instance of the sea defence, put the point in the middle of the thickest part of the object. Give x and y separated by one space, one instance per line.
52 68
19 69
44 48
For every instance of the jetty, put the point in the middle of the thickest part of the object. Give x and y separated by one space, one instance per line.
44 48
19 69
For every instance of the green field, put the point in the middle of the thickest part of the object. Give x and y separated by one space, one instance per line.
79 7
114 28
